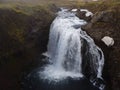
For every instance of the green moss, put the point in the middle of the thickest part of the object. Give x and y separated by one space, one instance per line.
16 23
99 5
101 25
17 34
27 9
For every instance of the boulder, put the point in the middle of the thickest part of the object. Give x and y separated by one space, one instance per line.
108 40
85 14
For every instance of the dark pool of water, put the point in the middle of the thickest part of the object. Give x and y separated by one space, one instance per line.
33 81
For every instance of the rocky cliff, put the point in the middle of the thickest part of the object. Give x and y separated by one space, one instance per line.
24 32
106 22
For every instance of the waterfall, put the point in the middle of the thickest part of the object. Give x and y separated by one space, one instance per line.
69 49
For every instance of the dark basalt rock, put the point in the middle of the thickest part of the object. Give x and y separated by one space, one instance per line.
106 23
23 37
104 16
81 15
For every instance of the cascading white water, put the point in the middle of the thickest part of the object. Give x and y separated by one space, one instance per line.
65 49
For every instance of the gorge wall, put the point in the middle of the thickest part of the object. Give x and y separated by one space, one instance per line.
24 35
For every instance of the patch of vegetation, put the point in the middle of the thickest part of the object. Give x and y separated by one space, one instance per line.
100 5
24 30
17 21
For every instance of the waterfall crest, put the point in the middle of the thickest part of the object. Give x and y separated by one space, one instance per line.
69 48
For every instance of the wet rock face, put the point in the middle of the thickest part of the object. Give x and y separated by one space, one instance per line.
102 24
104 16
23 30
54 8
82 15
23 37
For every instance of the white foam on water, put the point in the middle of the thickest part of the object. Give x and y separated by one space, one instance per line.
64 49
74 10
